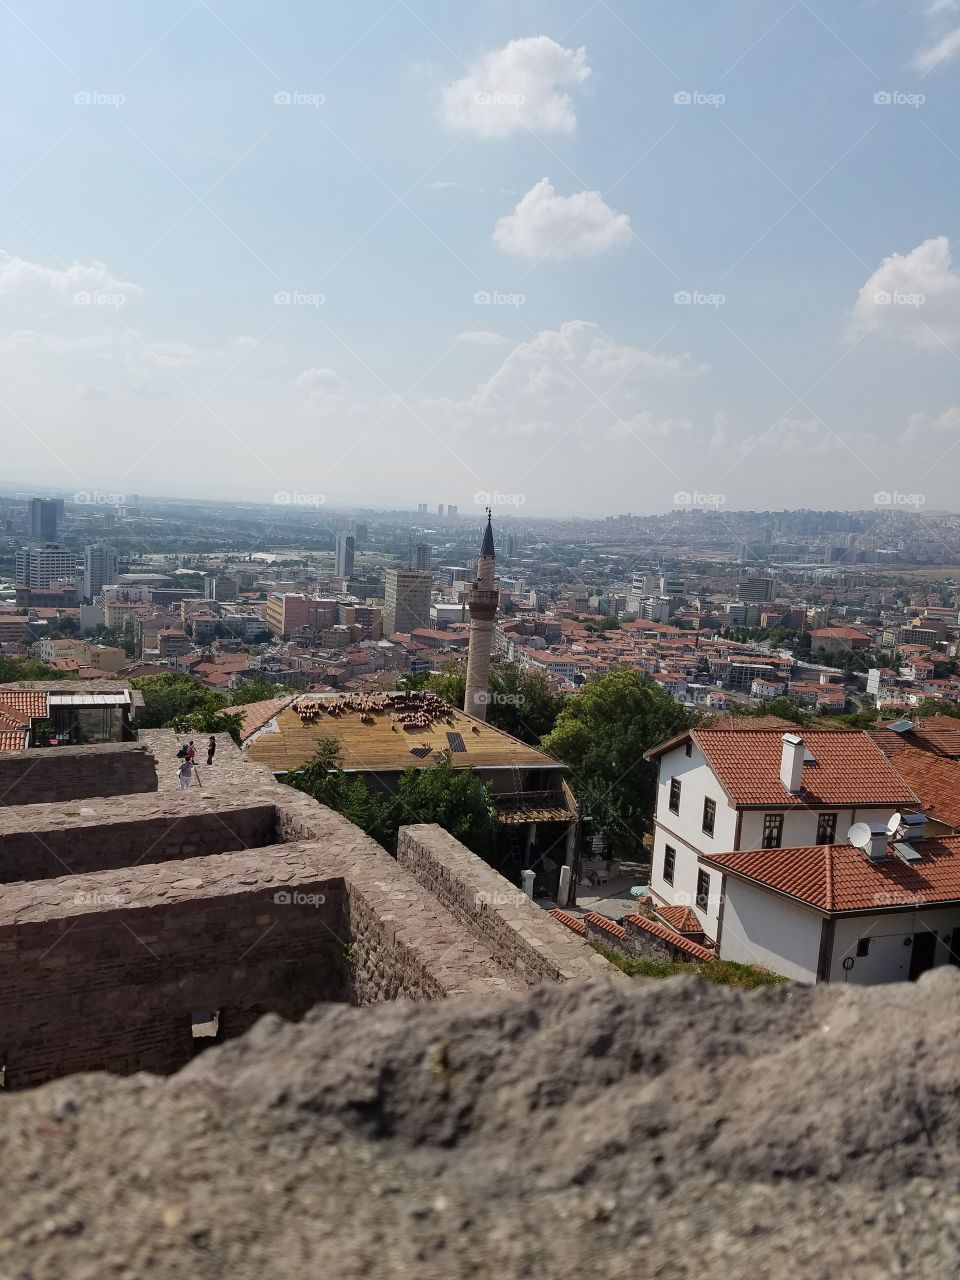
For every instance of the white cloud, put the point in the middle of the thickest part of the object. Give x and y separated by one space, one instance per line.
923 426
943 6
481 337
17 275
545 225
914 296
324 387
521 86
944 49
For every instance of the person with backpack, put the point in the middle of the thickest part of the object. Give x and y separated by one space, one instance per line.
191 751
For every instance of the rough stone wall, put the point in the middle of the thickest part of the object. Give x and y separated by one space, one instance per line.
103 971
105 840
45 774
522 938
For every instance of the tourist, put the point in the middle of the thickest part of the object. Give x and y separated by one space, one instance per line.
211 750
185 774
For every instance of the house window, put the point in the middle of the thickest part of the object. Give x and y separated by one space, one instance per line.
826 828
863 946
669 862
674 795
772 830
703 890
709 815
688 749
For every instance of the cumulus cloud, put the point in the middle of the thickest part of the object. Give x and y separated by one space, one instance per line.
324 388
17 275
521 86
545 225
481 338
913 296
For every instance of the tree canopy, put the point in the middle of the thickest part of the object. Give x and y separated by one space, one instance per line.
520 701
602 734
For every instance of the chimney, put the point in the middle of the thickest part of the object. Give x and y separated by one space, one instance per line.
791 762
877 848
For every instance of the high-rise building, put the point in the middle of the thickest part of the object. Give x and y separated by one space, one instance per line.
361 535
451 510
44 517
406 604
482 603
440 510
346 544
422 509
40 567
420 556
99 568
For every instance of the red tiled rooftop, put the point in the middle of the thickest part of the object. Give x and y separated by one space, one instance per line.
572 922
26 702
935 779
666 934
606 924
13 740
848 769
257 714
681 918
839 877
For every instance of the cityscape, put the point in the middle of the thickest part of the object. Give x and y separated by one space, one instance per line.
480 640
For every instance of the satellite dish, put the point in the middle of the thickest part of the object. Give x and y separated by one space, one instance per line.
893 826
860 835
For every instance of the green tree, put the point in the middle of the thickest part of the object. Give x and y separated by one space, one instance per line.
938 707
602 734
14 669
255 690
209 719
454 798
324 779
520 704
170 698
782 707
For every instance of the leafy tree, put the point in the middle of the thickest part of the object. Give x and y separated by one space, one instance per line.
450 683
938 707
782 707
170 698
14 669
454 798
209 719
255 690
602 734
521 702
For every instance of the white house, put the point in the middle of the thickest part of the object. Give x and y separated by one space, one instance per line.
723 790
836 913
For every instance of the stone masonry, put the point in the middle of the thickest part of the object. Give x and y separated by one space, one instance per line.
125 921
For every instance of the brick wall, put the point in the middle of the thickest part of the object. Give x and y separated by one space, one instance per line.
46 774
523 939
105 974
106 844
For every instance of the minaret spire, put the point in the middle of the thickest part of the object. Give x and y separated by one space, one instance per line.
482 603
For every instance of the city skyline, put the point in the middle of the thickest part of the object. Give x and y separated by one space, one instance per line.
577 259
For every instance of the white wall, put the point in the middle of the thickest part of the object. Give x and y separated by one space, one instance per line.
763 929
889 958
800 824
684 887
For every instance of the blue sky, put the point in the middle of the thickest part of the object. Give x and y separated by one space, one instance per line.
247 250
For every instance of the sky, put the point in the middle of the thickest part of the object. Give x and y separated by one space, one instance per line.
563 258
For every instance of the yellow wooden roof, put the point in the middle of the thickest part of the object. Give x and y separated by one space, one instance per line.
386 744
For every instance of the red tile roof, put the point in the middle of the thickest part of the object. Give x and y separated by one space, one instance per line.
681 918
839 877
23 702
13 740
257 714
935 779
606 924
849 769
666 934
572 922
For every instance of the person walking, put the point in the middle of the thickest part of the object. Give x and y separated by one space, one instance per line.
191 751
185 773
211 750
